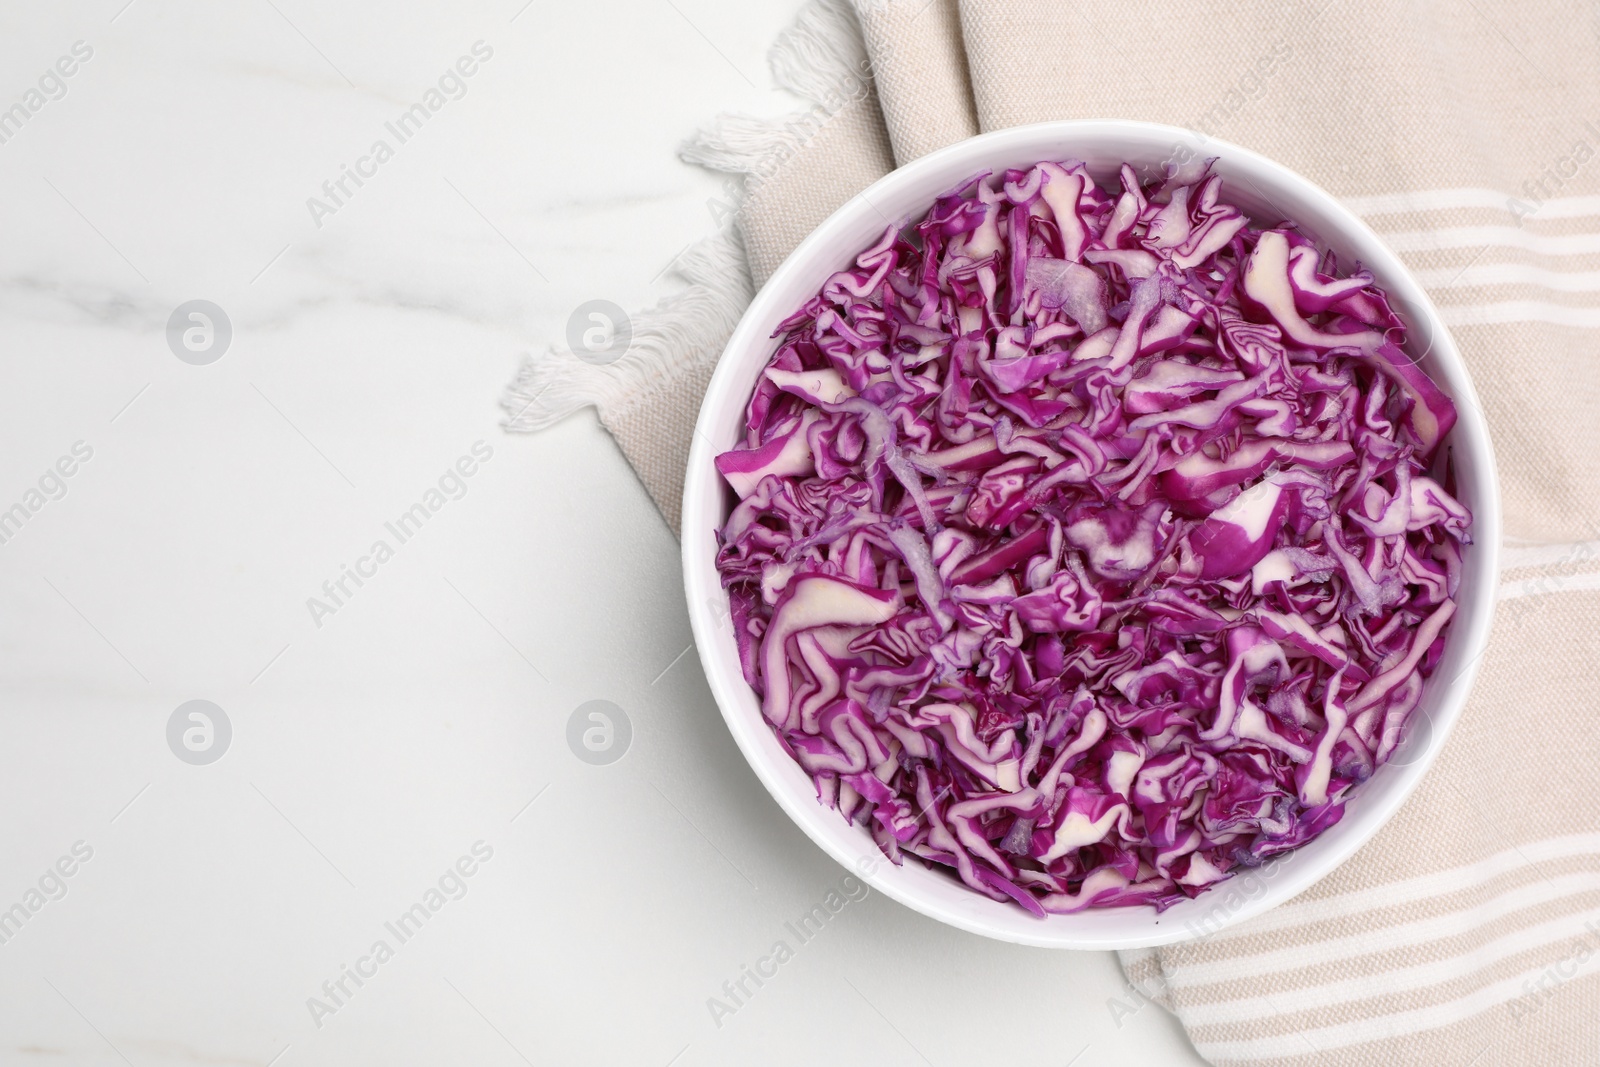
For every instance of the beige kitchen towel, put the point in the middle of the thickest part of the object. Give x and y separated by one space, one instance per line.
1467 135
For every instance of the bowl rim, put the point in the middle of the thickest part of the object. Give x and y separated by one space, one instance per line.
713 639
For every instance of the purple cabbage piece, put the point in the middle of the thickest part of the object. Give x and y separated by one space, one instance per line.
1235 537
1091 545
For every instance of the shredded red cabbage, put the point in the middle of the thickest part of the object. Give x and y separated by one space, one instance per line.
1092 545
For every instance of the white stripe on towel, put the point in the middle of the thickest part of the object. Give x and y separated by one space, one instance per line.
1520 311
1447 237
1560 207
1560 281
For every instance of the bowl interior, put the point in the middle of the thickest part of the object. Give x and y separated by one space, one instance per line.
1269 193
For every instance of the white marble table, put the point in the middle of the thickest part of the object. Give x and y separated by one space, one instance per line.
377 741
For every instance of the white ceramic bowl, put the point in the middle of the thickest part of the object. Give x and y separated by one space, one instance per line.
1263 188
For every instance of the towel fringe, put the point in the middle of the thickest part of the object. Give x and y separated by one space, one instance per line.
820 58
700 317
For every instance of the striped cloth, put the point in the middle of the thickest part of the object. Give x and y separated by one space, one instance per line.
1468 931
1468 135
